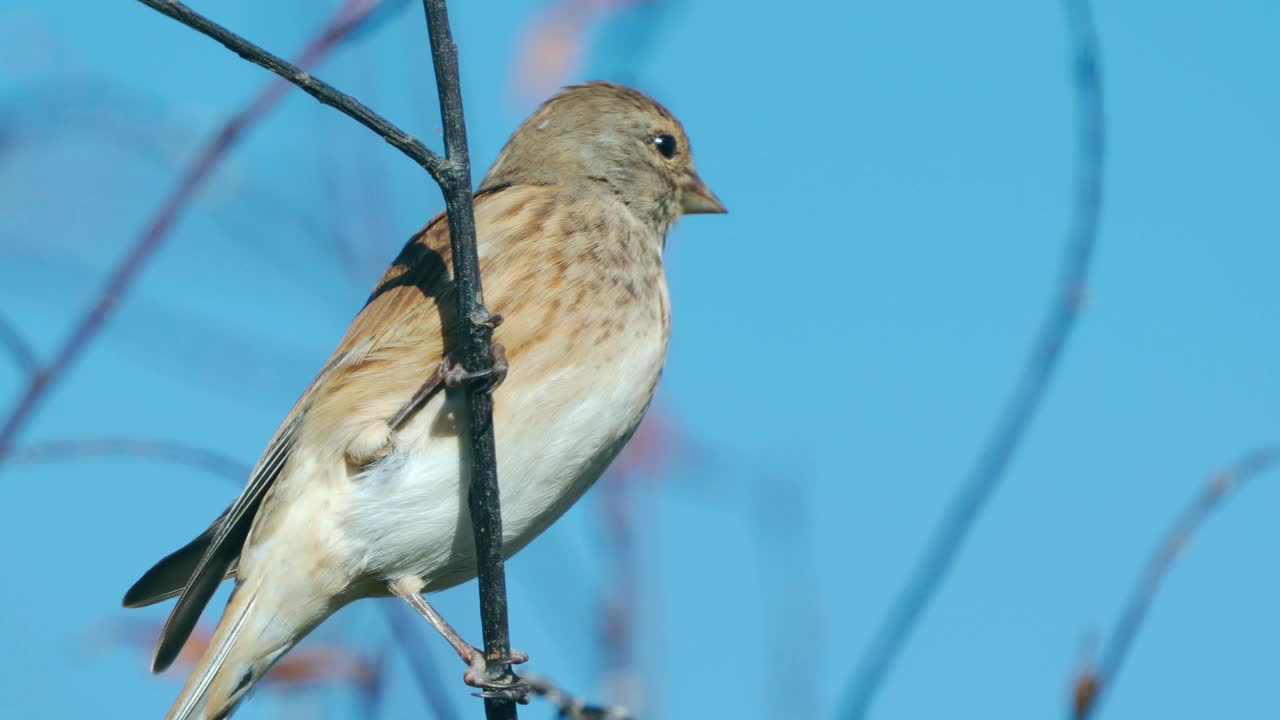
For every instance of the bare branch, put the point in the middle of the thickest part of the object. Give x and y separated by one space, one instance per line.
17 347
348 18
570 707
316 88
133 447
1092 682
1036 377
475 352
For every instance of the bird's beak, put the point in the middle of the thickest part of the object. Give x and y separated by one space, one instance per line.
696 197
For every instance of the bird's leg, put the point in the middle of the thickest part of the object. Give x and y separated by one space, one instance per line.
429 387
409 589
375 442
452 374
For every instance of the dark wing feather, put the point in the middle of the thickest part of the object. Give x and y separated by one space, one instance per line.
222 548
169 576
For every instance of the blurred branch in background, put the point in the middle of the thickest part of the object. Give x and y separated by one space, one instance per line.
645 456
1093 681
55 112
349 17
554 46
625 513
617 620
1038 372
146 448
426 675
18 350
628 37
311 666
56 107
790 590
314 666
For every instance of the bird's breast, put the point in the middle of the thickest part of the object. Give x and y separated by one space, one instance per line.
578 385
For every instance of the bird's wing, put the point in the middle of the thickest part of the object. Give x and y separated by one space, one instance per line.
221 542
387 352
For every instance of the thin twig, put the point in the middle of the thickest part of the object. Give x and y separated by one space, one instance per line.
17 347
477 336
349 17
1092 682
315 87
135 447
1030 391
404 627
570 707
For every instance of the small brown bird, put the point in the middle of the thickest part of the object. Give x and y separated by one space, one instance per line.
363 489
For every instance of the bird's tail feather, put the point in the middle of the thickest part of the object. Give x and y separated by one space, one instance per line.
247 642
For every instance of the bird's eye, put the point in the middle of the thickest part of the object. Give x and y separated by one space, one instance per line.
666 145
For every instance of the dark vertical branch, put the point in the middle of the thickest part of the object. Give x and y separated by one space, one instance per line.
350 16
1092 683
1043 361
482 500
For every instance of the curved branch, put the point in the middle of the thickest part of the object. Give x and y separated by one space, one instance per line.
1037 374
1091 683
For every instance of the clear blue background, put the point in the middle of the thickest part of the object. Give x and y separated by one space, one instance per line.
899 179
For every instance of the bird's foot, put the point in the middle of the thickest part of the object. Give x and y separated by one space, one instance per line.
456 375
509 687
374 442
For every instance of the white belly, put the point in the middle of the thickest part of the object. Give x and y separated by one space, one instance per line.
556 433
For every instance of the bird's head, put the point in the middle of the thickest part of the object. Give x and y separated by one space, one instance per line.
616 139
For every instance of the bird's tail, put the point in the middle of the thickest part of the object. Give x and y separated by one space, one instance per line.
255 631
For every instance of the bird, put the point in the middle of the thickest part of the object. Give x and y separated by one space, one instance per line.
362 490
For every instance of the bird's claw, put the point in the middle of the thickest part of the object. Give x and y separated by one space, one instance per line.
510 687
517 693
456 375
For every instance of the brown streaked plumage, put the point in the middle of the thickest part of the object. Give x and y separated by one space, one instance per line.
347 503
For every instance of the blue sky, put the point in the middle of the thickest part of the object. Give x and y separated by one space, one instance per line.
899 180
